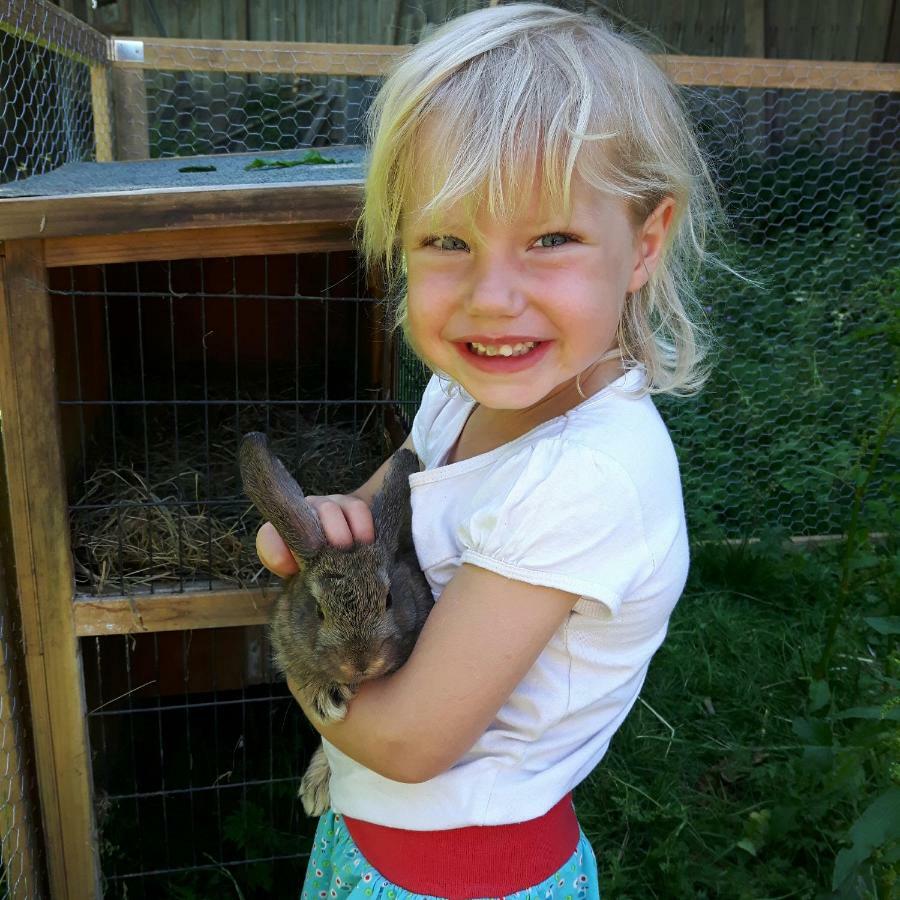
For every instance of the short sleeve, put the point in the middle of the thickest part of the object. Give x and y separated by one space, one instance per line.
561 515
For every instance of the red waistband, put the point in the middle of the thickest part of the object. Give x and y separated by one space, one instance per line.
476 861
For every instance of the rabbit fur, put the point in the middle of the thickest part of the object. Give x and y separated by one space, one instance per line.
349 614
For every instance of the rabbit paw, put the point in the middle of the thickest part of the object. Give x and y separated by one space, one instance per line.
330 702
314 793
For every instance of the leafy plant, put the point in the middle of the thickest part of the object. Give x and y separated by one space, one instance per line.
310 158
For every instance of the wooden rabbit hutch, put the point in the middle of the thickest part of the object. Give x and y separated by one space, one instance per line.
131 365
152 311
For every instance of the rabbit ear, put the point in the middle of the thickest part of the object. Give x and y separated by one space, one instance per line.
391 510
278 497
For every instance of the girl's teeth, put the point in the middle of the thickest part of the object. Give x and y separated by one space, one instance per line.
503 349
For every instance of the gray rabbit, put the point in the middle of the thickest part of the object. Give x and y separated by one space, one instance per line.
349 614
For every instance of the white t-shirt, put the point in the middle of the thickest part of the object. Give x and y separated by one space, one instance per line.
588 502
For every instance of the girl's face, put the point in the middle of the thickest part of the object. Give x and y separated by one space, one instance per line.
514 311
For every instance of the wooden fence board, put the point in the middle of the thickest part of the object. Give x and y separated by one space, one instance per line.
374 60
197 243
114 212
858 29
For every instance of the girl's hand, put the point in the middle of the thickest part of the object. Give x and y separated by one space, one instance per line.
345 519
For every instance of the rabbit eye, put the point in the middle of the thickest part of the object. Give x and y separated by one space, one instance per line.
388 601
320 612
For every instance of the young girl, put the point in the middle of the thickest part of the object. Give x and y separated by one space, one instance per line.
535 196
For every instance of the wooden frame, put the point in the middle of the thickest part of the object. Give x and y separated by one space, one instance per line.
192 243
98 616
328 204
19 819
44 574
269 57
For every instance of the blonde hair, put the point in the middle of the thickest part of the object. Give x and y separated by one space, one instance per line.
510 90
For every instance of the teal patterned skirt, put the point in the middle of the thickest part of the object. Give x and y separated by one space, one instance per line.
338 870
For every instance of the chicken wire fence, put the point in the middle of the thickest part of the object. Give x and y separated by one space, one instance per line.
808 176
50 105
190 113
803 357
197 752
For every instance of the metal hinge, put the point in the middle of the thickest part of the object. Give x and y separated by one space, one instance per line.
128 51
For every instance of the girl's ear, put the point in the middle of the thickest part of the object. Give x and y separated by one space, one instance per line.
650 243
278 497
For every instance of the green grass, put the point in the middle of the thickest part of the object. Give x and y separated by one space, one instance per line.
731 778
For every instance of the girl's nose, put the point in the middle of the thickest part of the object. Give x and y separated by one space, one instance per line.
496 290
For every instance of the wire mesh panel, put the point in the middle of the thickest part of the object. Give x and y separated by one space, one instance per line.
200 113
162 367
809 181
51 77
197 761
201 97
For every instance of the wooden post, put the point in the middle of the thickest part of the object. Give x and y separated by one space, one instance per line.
102 108
132 129
44 574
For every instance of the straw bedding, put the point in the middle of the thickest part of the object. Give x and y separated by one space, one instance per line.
169 515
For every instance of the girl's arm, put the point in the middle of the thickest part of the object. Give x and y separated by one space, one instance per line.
478 643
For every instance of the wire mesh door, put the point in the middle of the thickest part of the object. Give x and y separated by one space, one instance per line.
197 745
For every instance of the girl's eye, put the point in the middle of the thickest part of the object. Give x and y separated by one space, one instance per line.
446 242
553 240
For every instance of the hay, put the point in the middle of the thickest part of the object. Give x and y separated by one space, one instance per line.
167 521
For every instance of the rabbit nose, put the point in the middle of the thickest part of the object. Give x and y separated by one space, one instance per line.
359 671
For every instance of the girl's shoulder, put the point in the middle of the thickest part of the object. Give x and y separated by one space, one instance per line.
622 425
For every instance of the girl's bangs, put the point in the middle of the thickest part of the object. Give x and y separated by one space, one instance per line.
468 177
488 143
